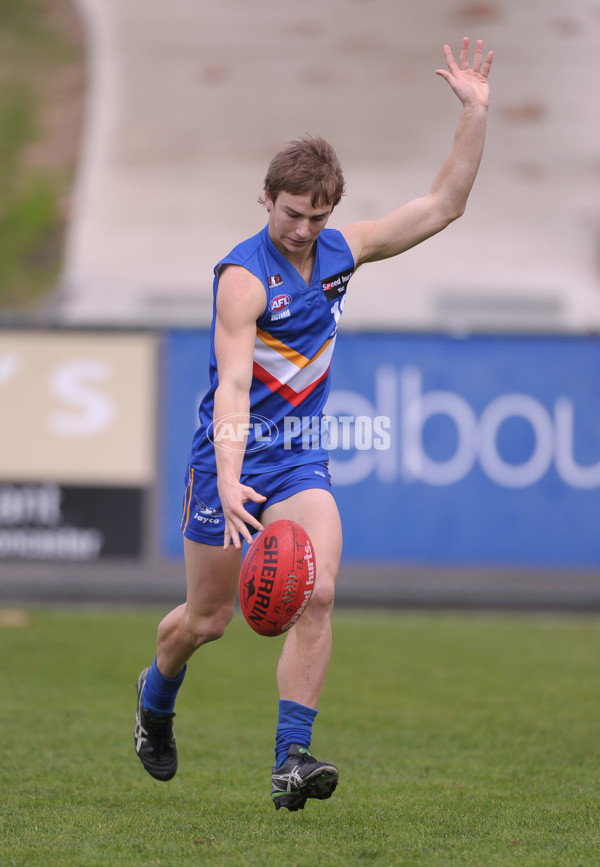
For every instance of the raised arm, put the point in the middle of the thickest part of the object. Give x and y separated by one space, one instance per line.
447 197
240 301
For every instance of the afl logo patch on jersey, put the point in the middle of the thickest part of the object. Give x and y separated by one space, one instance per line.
279 307
281 302
274 281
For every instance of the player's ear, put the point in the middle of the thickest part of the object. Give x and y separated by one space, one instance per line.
269 202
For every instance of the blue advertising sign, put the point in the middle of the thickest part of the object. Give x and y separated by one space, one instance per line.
184 379
483 450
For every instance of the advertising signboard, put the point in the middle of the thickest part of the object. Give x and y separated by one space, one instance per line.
483 450
77 443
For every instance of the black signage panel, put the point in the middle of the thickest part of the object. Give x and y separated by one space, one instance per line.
53 522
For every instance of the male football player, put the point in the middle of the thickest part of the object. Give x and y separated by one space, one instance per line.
278 297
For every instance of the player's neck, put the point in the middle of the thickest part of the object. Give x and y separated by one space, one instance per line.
304 265
303 261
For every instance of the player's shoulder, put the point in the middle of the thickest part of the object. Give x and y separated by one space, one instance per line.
335 248
329 235
355 236
241 271
241 295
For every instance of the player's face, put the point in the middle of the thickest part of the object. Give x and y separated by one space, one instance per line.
294 224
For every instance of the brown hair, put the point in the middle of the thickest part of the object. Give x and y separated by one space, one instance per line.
307 165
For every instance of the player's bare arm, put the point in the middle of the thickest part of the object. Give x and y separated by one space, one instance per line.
240 301
421 218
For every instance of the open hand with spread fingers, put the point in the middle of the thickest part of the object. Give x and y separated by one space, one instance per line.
469 84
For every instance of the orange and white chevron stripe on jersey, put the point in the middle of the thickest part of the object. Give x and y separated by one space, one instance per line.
286 371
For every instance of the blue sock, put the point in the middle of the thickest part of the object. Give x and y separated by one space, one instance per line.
160 692
294 727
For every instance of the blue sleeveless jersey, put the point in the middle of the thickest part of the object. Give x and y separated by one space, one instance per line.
295 337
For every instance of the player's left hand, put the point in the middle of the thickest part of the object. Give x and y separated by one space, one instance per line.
233 496
469 84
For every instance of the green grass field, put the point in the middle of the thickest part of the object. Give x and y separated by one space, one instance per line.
461 740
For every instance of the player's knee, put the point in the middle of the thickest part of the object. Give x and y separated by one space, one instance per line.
321 601
324 591
210 625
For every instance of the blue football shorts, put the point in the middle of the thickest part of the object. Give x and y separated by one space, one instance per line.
202 519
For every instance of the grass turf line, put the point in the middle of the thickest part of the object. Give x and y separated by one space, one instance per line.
461 740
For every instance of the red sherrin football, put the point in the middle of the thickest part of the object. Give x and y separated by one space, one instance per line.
277 578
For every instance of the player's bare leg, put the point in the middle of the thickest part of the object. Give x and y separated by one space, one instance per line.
306 654
212 576
212 580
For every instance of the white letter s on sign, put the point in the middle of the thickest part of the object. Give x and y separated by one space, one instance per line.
93 411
